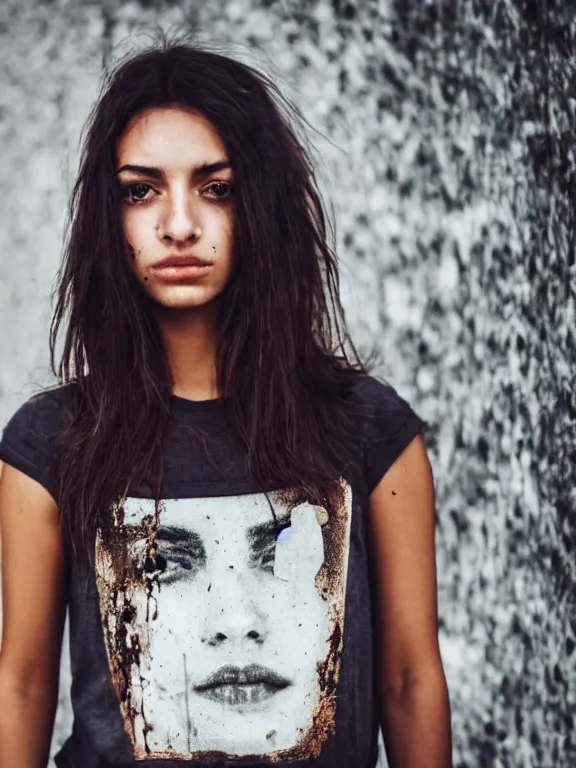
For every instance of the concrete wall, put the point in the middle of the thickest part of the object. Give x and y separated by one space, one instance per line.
450 163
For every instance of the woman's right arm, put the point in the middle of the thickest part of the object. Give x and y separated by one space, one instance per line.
33 608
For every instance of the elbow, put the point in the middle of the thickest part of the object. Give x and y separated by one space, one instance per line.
411 683
23 685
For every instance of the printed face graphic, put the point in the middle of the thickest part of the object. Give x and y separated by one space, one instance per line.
225 628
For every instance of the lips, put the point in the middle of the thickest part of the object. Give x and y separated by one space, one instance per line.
237 687
182 261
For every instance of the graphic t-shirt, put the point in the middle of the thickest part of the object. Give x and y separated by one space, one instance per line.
233 625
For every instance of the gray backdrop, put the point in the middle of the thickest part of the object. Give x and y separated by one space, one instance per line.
449 157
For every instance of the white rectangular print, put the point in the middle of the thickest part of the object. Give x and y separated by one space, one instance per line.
223 622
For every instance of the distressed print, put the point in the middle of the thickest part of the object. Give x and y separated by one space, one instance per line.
223 622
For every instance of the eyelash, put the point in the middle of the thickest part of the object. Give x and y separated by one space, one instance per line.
126 192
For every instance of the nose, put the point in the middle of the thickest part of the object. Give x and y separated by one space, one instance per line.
235 615
181 223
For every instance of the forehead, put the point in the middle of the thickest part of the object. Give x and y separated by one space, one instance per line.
207 515
167 135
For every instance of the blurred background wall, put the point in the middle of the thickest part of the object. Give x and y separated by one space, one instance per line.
447 149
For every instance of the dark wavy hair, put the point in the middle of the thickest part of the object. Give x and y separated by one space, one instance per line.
284 361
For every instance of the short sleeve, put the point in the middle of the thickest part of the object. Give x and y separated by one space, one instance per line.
389 425
28 438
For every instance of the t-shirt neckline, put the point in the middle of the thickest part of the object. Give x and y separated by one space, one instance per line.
195 406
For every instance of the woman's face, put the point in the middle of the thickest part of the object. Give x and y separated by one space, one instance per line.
232 635
176 183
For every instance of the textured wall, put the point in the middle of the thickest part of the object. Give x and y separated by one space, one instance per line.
450 163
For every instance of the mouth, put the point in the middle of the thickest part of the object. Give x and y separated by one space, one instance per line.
236 687
182 261
177 268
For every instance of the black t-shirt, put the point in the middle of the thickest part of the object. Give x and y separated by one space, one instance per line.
235 627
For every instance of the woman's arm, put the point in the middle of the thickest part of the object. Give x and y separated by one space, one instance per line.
415 709
33 607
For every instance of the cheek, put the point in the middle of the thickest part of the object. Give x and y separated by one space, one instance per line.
222 230
127 225
134 231
180 602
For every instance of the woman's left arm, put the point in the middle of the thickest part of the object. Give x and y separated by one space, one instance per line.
415 708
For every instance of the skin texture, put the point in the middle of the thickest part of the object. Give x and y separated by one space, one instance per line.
174 212
414 699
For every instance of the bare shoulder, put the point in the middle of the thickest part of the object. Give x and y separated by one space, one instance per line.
407 486
33 604
402 520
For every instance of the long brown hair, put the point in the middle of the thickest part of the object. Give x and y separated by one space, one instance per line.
284 360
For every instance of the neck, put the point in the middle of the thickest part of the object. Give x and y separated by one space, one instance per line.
191 340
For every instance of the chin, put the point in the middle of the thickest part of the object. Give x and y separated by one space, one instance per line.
184 298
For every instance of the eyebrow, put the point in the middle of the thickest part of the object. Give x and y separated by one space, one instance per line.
173 534
258 535
198 172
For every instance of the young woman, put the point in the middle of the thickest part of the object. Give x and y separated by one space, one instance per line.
239 517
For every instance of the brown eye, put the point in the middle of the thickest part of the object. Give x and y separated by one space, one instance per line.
219 190
135 193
